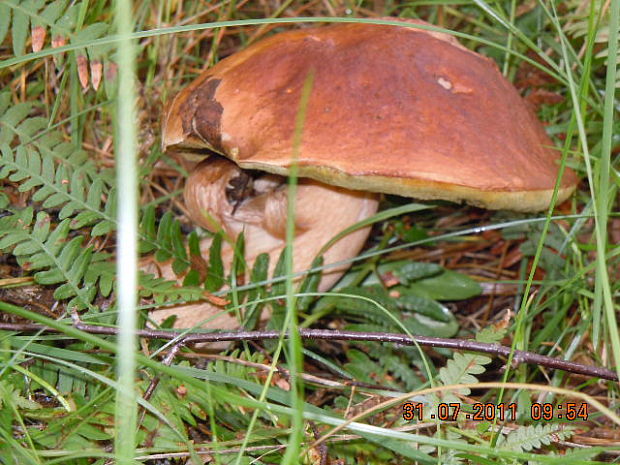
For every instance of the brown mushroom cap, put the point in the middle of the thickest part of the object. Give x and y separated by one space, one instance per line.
393 109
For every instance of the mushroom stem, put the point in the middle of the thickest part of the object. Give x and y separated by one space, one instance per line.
321 211
220 197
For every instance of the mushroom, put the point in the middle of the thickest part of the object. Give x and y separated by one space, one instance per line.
393 109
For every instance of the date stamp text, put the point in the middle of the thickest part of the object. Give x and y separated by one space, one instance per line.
480 411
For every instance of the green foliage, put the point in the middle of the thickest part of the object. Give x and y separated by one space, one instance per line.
62 174
12 404
553 255
577 26
58 221
463 366
71 193
55 257
163 290
12 396
63 180
165 239
383 366
58 22
527 438
59 185
410 302
461 370
81 429
257 293
449 285
215 274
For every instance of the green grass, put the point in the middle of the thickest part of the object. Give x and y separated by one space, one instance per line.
127 238
76 398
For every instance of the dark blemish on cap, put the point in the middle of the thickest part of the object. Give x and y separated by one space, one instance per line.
202 114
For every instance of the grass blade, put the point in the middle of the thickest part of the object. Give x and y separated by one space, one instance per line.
127 266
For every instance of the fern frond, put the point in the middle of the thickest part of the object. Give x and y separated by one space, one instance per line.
164 238
17 121
526 438
461 370
64 177
577 26
399 366
59 22
61 175
163 290
58 257
365 369
37 17
58 185
365 308
491 334
462 367
55 257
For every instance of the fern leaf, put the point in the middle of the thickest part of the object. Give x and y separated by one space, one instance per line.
215 273
181 262
461 368
171 244
310 285
57 186
36 17
397 365
101 271
239 265
527 438
65 24
259 274
51 13
372 295
163 290
13 395
109 213
163 236
19 30
45 248
5 21
91 32
30 127
61 176
490 334
363 368
148 229
11 118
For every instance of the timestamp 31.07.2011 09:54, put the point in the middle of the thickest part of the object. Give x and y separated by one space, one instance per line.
571 411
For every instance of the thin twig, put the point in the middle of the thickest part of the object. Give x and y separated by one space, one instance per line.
167 361
519 356
322 448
